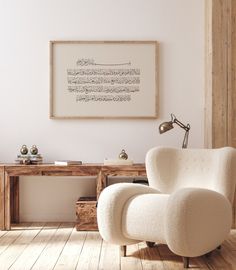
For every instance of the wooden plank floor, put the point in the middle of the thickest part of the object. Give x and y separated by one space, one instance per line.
59 246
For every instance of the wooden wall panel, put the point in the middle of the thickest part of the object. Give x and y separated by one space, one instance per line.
220 92
2 195
232 77
217 40
208 75
220 72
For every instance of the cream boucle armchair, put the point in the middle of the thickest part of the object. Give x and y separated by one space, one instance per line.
187 205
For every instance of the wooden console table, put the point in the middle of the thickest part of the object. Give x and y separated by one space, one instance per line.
10 173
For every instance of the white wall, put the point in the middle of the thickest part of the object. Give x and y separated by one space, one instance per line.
26 27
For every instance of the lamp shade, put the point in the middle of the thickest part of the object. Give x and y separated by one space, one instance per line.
165 126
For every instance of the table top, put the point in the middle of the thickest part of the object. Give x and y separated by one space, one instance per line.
100 165
85 169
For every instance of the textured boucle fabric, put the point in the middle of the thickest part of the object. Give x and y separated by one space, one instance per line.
196 221
187 206
169 169
110 209
143 217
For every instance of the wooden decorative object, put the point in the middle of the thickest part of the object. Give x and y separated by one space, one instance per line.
86 212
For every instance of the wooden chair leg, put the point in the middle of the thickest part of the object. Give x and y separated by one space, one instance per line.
208 254
186 262
150 244
123 251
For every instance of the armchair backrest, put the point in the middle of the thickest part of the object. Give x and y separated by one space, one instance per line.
169 169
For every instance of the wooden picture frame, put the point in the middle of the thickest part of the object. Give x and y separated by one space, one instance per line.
103 79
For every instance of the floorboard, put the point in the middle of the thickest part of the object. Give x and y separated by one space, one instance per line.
150 257
90 255
50 255
31 254
10 254
58 246
110 257
70 255
132 261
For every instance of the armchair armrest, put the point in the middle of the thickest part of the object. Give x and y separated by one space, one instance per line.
197 221
111 204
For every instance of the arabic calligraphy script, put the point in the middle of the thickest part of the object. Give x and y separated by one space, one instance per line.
103 82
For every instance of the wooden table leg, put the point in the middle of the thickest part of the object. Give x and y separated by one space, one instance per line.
101 183
14 199
2 217
7 202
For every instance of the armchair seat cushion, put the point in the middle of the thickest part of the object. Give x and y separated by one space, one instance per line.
143 217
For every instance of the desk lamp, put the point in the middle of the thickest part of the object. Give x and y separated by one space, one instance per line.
166 126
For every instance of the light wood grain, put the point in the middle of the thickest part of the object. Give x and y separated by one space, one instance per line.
15 199
2 202
90 255
51 169
70 255
10 255
132 260
2 233
170 260
150 257
49 257
101 183
32 252
228 258
9 238
28 246
7 205
216 261
232 88
230 242
208 75
198 263
220 84
232 74
216 97
110 257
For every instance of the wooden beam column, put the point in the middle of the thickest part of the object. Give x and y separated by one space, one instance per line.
220 71
2 201
232 78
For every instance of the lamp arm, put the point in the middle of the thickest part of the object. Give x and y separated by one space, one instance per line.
185 141
185 127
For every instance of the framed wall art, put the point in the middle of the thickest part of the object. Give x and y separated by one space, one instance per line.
103 79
